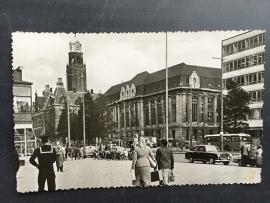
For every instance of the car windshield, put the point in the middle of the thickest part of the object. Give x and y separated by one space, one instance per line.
212 149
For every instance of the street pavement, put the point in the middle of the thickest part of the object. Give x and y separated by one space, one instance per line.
90 173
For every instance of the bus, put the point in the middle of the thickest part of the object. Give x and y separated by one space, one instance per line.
230 141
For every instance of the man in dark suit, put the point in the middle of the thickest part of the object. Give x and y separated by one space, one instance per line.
165 161
46 157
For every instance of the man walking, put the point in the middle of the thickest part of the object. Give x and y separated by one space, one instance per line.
165 161
46 157
244 153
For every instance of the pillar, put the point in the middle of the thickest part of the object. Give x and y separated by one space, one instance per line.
189 108
199 108
170 109
156 112
178 108
129 115
125 124
119 118
163 111
142 118
205 109
215 110
184 104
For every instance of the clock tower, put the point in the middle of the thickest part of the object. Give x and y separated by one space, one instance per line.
76 69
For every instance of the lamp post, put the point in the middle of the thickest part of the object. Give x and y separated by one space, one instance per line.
190 115
167 94
221 104
83 118
68 116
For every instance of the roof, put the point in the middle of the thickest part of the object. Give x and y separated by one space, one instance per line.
22 82
181 69
138 80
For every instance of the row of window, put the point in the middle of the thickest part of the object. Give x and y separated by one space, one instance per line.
134 119
22 104
225 138
245 44
255 113
247 79
256 96
246 62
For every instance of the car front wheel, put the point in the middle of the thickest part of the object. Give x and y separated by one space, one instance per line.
190 160
226 163
211 160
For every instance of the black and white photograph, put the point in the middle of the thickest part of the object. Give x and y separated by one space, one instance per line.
137 109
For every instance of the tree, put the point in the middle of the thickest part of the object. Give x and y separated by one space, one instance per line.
95 108
236 108
62 128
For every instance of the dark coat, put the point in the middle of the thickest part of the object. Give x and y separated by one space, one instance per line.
164 157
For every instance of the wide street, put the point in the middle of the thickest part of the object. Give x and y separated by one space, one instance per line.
90 173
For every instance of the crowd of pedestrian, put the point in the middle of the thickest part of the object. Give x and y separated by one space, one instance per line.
249 154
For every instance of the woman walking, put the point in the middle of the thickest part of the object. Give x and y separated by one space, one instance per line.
141 165
252 156
60 157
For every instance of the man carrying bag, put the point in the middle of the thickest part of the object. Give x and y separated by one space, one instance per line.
165 162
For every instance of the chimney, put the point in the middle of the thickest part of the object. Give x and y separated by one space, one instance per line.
17 74
47 87
92 92
46 91
50 89
59 83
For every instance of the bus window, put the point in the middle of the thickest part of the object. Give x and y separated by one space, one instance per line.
233 139
229 139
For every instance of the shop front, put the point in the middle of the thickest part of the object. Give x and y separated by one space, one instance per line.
24 139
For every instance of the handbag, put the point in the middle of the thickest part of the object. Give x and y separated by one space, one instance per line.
153 164
172 177
154 176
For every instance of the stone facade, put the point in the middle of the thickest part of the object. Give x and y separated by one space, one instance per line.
194 94
46 115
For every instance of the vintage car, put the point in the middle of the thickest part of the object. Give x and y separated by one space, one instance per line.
89 150
207 153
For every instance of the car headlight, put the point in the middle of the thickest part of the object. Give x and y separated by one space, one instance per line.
218 155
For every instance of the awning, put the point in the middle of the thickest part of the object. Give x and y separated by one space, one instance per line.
23 125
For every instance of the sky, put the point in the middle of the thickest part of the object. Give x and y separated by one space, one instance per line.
112 58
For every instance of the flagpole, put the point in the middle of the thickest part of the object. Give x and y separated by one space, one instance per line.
167 110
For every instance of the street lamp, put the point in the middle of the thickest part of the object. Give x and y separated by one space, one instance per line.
221 105
68 117
190 115
83 118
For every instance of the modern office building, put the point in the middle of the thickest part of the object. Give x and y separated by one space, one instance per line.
243 61
138 105
24 136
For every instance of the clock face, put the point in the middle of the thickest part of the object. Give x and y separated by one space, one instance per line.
77 45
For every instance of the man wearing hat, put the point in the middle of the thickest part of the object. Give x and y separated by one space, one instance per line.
46 157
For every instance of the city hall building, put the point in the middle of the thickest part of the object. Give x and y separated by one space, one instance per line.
243 61
138 106
48 106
